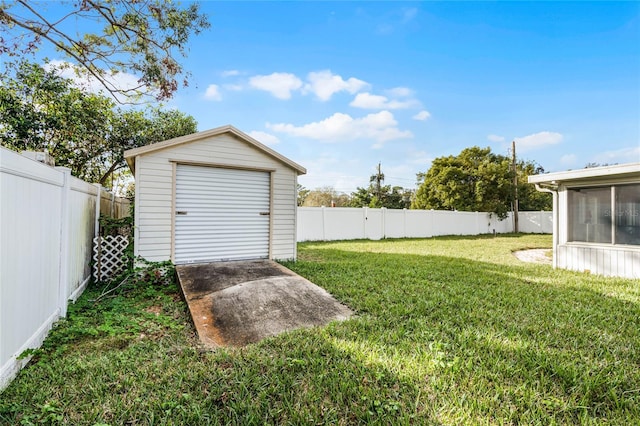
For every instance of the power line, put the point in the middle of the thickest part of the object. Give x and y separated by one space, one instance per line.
399 178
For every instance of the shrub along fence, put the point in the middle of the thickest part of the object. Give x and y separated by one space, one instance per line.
48 220
342 223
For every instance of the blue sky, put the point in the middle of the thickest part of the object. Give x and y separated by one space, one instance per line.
341 86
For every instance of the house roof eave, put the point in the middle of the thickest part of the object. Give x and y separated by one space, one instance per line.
630 170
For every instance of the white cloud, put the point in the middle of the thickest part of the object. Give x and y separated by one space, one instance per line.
568 159
264 137
121 80
422 115
324 84
380 127
537 140
400 92
316 178
213 93
619 156
496 138
278 84
368 101
230 73
327 169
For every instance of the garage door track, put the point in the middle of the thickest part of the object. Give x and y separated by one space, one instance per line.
242 302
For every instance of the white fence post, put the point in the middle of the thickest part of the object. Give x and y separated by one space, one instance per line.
404 223
365 219
96 231
383 221
63 277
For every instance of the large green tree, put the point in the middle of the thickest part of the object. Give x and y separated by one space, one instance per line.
41 111
478 180
135 128
145 38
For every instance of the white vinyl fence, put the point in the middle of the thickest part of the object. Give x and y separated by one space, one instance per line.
48 220
341 223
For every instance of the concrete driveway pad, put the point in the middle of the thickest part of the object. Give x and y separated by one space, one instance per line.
242 302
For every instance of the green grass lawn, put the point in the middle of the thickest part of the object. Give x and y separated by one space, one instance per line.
450 330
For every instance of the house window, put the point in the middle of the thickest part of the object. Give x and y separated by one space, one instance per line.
590 215
605 215
627 214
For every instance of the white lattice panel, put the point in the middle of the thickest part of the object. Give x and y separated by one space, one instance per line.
108 256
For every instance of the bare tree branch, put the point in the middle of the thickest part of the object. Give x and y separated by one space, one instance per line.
137 37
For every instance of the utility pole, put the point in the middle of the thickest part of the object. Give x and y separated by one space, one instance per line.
515 186
378 178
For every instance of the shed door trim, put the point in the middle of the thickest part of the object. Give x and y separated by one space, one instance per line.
221 165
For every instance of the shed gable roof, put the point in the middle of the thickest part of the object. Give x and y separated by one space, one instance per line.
131 154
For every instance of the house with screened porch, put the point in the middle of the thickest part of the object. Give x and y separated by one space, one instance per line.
596 219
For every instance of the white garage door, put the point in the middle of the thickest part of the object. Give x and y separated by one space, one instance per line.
221 214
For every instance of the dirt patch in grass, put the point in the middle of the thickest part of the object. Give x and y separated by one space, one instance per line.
534 256
154 310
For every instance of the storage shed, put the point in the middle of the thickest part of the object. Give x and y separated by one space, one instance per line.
212 196
596 219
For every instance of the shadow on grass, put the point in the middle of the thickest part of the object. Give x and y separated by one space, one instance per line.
517 343
134 377
297 378
437 340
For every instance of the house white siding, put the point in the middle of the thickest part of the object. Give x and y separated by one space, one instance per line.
155 192
607 261
594 252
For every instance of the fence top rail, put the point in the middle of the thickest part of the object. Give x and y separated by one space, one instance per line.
105 195
15 164
79 185
327 208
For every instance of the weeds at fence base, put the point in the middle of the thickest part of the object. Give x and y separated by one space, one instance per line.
143 273
106 314
138 271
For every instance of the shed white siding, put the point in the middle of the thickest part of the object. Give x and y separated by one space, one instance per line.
155 174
